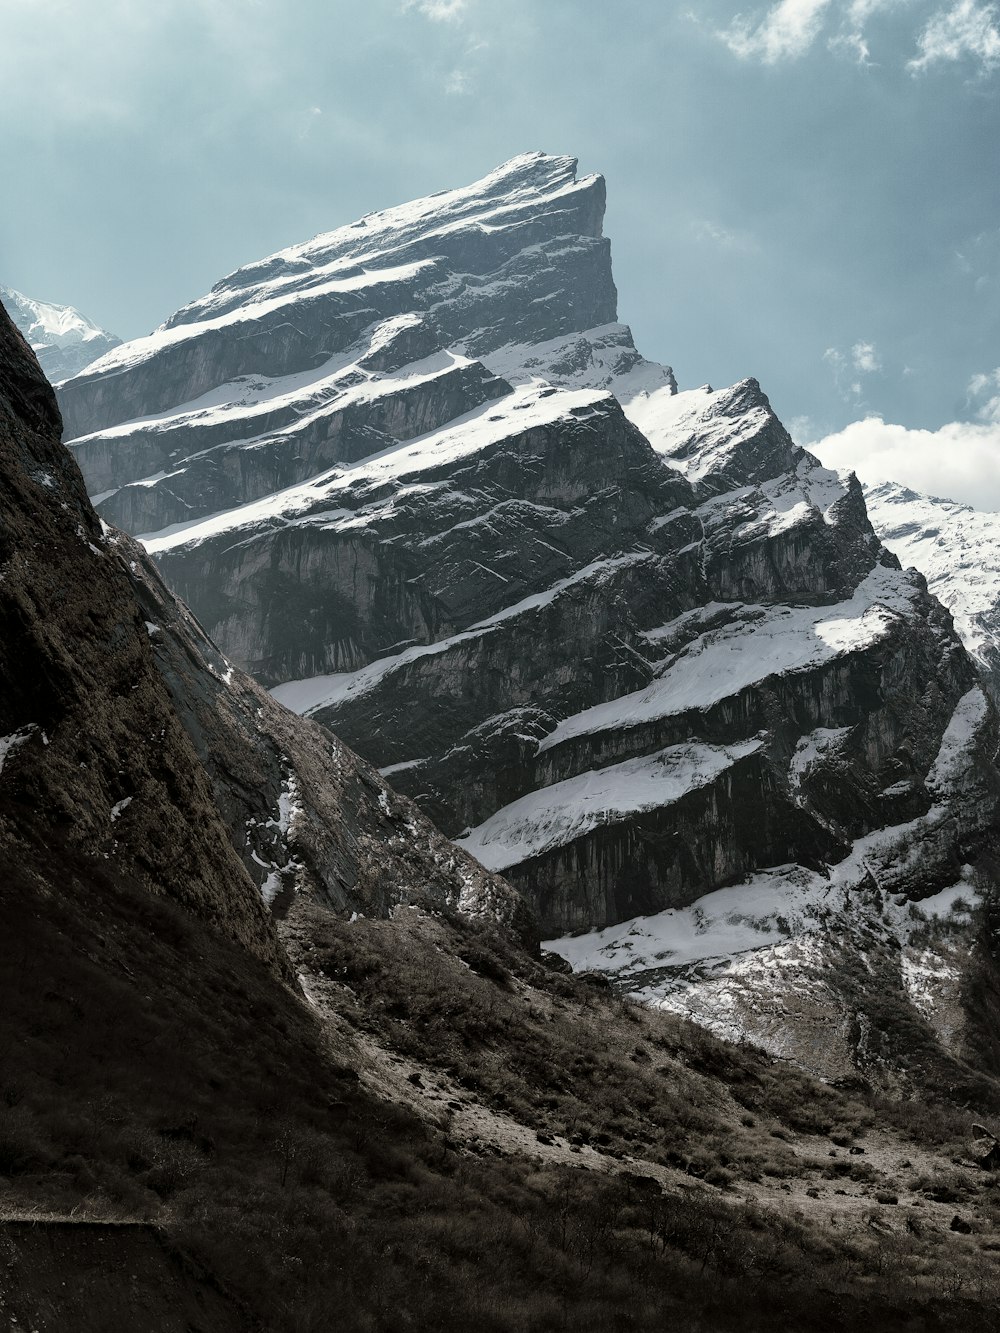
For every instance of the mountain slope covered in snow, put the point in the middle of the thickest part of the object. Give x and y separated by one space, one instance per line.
957 549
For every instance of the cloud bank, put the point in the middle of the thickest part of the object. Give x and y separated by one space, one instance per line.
961 461
967 29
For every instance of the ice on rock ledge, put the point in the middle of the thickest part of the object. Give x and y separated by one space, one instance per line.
721 662
554 816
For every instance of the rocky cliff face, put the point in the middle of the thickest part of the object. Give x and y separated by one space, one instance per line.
625 644
305 815
92 754
64 341
126 737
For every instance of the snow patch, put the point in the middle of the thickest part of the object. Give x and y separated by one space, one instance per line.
290 811
956 548
555 816
11 744
951 766
815 747
721 662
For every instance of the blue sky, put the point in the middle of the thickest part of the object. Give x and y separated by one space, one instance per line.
806 191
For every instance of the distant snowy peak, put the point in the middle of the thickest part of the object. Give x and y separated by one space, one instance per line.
64 341
957 549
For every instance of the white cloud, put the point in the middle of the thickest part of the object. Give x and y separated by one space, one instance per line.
960 461
723 237
788 30
864 358
849 368
963 29
988 384
854 44
967 29
851 37
439 11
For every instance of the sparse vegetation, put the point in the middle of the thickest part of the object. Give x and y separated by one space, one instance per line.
152 1070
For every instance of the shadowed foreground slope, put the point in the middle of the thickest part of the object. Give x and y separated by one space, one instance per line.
444 1133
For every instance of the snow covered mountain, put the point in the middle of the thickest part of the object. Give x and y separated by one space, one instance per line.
64 341
627 645
957 549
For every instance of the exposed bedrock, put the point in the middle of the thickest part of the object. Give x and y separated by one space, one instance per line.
373 564
625 644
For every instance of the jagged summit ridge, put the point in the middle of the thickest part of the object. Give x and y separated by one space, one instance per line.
505 198
517 257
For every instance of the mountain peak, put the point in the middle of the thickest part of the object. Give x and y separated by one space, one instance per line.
516 258
617 639
529 186
64 341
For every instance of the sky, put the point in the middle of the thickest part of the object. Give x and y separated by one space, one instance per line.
804 191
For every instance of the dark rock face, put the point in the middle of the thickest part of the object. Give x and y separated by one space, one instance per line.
126 736
305 815
333 593
93 753
625 644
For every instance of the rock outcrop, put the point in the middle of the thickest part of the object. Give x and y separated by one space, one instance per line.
624 644
92 752
305 815
126 737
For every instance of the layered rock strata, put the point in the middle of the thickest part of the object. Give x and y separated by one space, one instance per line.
624 644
